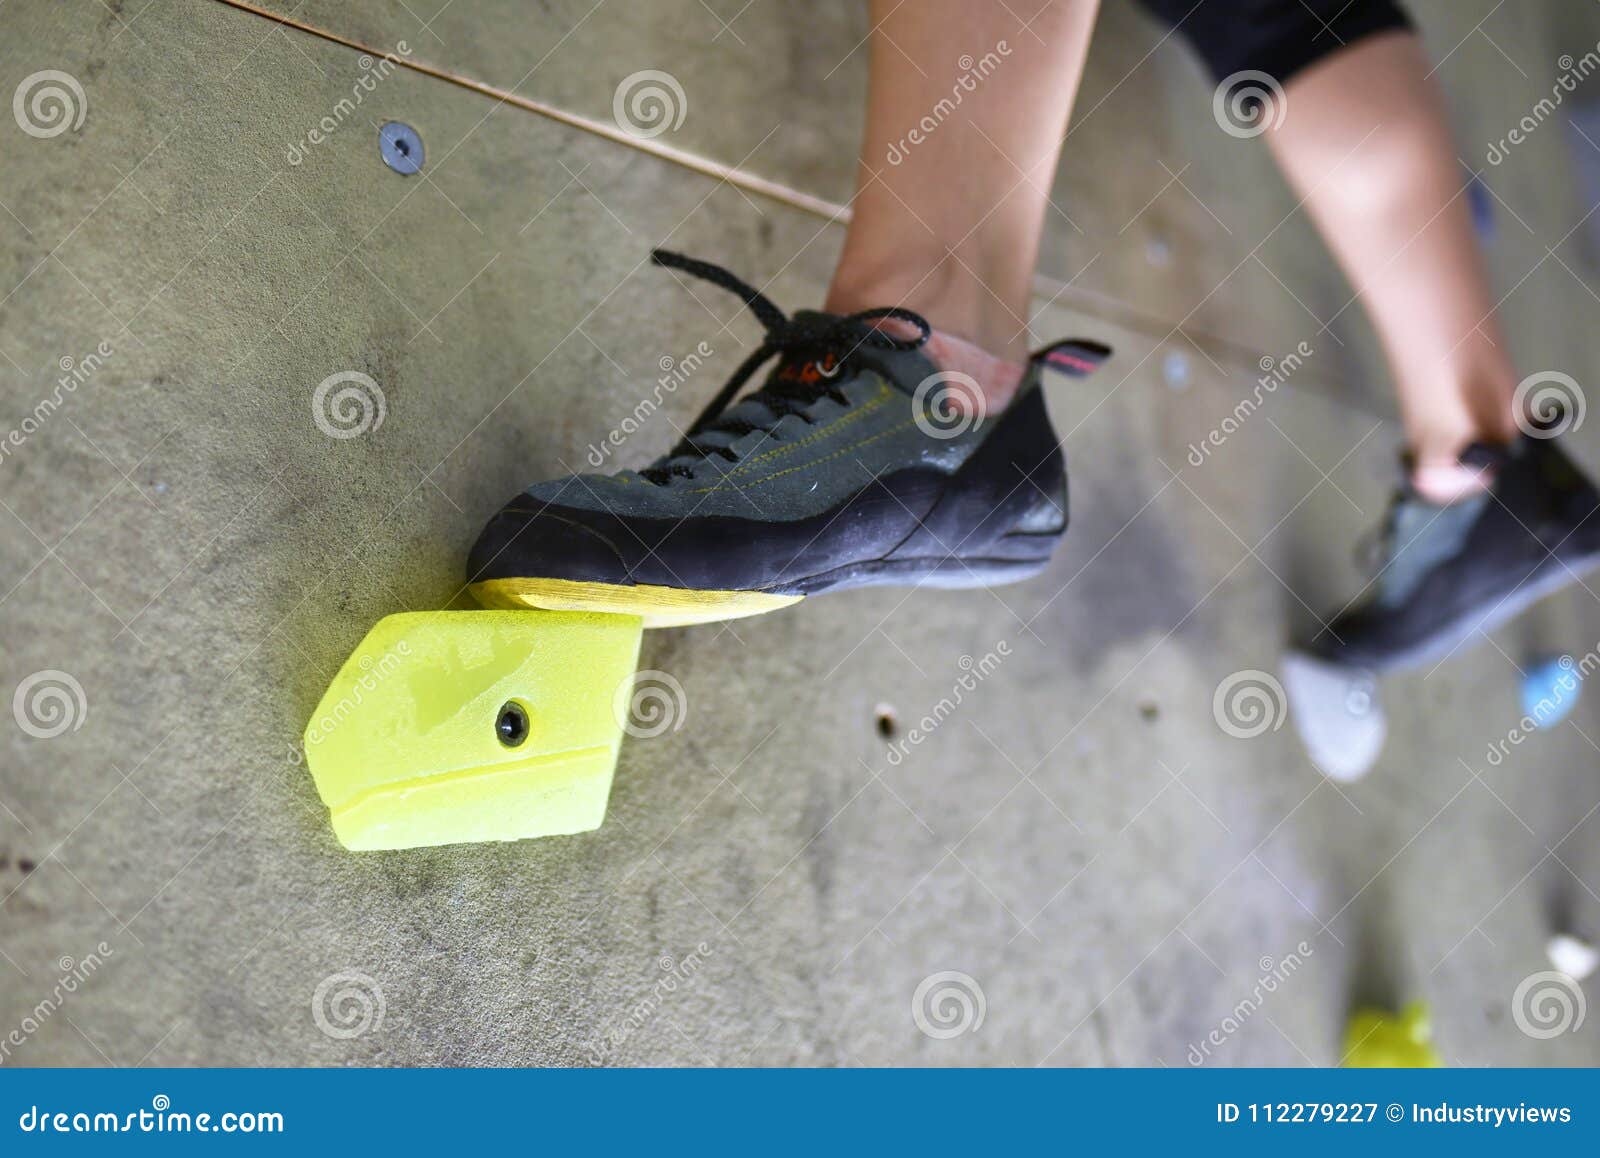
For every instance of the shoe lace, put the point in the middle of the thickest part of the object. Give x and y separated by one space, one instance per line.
829 337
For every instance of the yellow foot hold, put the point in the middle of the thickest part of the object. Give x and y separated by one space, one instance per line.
1377 1039
454 726
657 606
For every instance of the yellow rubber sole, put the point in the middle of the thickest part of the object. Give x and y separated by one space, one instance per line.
657 606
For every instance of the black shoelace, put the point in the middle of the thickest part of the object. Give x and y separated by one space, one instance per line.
816 336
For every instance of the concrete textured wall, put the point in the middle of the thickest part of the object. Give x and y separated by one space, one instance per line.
1080 838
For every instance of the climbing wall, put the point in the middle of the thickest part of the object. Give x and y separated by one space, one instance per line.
930 827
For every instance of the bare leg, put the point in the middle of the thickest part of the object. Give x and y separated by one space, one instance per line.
1364 141
949 225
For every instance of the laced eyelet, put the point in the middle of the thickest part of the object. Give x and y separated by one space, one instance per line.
827 340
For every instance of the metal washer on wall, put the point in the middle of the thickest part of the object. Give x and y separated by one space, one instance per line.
401 147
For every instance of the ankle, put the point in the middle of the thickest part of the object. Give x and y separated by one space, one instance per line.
1437 471
959 304
962 343
1442 482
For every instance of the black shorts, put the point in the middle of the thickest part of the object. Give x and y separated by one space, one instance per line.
1276 37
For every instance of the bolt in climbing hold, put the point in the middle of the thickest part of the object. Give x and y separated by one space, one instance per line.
512 724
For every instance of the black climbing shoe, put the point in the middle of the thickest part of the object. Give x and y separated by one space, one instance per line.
1447 572
858 462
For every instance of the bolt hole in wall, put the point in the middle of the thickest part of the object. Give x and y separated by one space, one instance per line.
887 721
1149 711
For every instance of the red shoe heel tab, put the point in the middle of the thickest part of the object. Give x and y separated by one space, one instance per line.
1077 357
